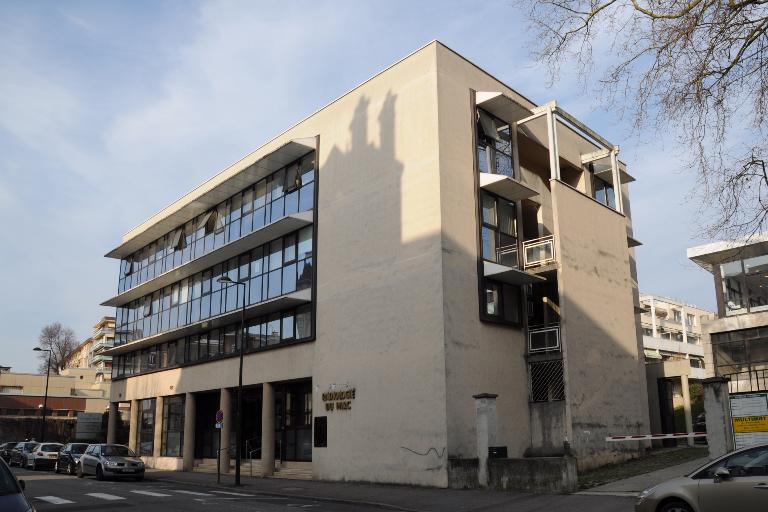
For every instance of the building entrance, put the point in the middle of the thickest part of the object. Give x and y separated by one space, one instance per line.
293 421
206 434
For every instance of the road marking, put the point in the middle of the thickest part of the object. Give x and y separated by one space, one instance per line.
55 500
104 496
233 493
193 493
150 493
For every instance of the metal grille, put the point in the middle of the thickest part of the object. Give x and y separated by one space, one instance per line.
547 383
755 380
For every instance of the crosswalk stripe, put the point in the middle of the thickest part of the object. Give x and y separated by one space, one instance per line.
104 496
233 493
150 493
193 493
55 500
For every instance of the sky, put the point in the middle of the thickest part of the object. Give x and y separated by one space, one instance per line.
111 110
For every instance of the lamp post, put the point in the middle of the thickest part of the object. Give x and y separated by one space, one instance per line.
45 399
225 280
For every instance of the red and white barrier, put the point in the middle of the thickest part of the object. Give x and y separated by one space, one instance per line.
644 437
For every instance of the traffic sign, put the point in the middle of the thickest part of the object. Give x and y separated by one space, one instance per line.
219 416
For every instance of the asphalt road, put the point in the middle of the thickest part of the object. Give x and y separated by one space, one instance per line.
50 492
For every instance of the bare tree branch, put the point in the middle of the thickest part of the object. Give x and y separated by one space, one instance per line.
60 341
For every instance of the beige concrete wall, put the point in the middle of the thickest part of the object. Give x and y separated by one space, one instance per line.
605 377
480 357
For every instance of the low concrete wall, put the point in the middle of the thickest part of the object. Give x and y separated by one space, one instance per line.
167 463
546 475
462 473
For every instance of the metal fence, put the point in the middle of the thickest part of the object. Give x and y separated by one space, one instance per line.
547 382
749 381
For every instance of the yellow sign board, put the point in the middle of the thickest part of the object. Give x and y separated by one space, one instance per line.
747 424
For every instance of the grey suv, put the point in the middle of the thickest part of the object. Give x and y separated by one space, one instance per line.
110 461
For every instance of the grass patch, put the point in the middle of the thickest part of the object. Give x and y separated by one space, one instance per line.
657 459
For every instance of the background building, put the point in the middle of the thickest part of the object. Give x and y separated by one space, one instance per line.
90 353
428 238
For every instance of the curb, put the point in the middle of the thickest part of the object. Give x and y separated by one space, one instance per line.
384 506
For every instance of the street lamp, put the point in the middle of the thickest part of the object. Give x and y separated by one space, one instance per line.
225 280
45 400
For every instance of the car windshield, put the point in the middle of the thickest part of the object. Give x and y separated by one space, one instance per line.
8 483
78 449
50 448
116 451
26 446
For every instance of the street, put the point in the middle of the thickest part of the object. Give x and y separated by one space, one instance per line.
51 492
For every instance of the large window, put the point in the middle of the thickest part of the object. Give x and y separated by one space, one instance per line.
276 268
146 426
494 145
743 357
499 231
173 426
745 285
284 192
262 333
502 302
604 192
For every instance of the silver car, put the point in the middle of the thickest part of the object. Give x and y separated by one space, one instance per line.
110 461
736 481
42 456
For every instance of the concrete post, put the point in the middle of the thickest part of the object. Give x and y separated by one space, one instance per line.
687 406
225 404
114 416
158 438
485 429
717 405
685 330
133 428
188 461
653 319
268 429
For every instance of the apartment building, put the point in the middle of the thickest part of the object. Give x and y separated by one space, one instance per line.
429 237
738 337
90 353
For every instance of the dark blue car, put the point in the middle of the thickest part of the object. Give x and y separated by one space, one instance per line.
12 497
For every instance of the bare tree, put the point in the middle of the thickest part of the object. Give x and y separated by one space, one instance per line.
60 341
694 68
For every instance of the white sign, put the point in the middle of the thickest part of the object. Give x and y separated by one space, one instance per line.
750 418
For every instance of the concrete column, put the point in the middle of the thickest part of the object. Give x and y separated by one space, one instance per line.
158 439
685 330
717 405
268 429
133 429
114 417
225 404
687 407
653 319
188 462
485 429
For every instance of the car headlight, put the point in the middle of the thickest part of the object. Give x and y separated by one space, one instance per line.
643 495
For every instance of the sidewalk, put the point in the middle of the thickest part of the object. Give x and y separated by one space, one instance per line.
389 497
634 485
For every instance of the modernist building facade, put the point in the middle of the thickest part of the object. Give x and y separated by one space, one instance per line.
738 337
90 353
427 237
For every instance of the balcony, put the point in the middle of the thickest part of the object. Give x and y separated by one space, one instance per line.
543 339
539 252
506 187
673 346
509 275
267 233
99 358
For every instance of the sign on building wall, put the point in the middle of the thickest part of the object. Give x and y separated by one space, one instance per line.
750 418
88 426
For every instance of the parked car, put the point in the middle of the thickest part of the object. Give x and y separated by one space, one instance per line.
736 481
20 451
43 456
5 450
12 498
68 457
110 460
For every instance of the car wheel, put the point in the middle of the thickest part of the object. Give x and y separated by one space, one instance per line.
80 471
675 506
99 473
71 468
140 478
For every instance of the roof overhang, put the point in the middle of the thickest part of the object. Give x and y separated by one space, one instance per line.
211 193
290 300
509 275
269 232
708 255
501 105
633 242
506 187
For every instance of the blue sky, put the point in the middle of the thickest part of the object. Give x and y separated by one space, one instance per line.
111 110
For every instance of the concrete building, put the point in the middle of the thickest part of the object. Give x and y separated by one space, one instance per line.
674 355
427 241
738 337
90 353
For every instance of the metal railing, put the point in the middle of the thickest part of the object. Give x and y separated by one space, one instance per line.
748 381
539 251
543 338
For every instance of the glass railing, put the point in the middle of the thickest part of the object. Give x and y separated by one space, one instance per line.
539 252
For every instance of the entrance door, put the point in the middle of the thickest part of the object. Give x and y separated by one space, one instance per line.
206 433
293 422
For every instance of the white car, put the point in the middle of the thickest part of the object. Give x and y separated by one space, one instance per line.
43 456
